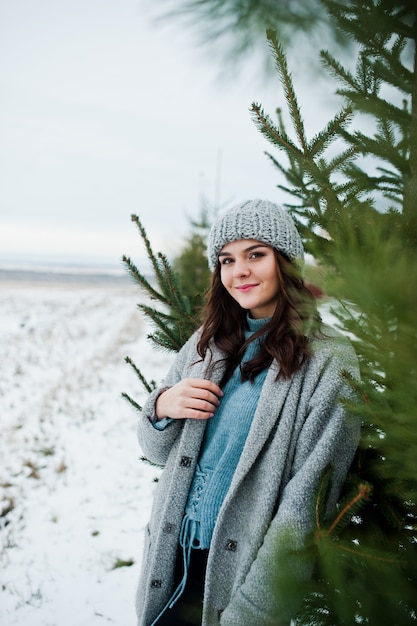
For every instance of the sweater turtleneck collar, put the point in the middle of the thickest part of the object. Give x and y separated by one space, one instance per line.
256 324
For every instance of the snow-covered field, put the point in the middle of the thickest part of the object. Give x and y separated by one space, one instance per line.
74 497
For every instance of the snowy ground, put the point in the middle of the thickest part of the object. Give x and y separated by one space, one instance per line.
74 498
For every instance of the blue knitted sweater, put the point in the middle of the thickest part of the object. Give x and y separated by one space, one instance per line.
224 439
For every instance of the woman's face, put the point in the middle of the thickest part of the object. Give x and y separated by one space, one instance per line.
248 271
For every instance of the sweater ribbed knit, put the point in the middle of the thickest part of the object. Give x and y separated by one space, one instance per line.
224 439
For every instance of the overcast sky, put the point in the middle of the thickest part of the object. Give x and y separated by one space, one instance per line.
103 114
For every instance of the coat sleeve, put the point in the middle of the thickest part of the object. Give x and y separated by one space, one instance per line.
329 436
156 444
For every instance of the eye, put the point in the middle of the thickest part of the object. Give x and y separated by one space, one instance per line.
226 260
257 255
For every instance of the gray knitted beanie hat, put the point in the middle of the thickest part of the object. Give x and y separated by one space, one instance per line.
256 219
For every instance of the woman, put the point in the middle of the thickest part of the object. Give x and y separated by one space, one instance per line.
244 424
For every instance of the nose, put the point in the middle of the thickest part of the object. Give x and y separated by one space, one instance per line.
240 268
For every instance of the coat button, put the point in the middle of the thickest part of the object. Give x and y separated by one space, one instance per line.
156 583
185 461
231 545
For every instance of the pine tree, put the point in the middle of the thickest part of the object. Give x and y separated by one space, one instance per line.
175 293
174 317
357 210
234 29
191 264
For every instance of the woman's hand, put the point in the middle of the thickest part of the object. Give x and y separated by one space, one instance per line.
195 398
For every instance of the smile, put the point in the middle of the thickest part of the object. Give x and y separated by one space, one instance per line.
245 287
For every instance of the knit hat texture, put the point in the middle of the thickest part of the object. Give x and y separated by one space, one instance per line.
256 219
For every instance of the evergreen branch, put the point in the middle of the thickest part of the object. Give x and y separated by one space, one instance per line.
395 74
164 328
378 45
348 509
179 302
386 132
369 81
337 70
132 402
392 514
159 318
367 27
144 459
286 80
147 310
322 140
373 105
377 147
148 386
390 186
393 197
287 172
166 340
271 132
367 184
295 175
342 159
163 318
367 554
139 278
355 385
151 255
371 74
351 506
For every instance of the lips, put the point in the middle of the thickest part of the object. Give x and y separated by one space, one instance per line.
245 288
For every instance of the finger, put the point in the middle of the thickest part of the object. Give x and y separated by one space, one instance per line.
203 405
202 395
198 415
207 385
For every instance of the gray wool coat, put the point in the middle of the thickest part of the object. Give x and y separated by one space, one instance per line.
300 426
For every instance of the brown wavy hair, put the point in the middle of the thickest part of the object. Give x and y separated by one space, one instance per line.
284 335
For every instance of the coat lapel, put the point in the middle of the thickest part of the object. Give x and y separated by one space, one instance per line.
271 400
